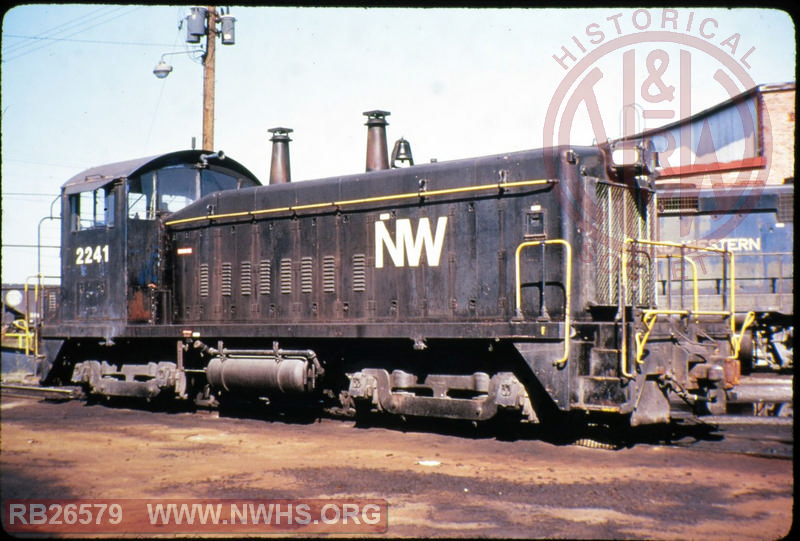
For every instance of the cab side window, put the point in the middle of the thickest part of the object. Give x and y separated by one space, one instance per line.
92 209
141 197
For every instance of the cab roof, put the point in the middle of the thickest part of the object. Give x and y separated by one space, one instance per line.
96 177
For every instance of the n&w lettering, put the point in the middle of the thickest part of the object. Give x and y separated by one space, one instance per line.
406 244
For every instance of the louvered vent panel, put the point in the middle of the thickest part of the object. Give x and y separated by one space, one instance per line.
226 280
359 272
286 276
329 274
265 277
246 278
204 279
306 275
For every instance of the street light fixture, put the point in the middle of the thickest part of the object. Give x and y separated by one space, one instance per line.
163 69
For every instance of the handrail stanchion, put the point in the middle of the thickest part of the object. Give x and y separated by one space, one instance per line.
567 289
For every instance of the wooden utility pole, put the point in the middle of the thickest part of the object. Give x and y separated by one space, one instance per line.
208 80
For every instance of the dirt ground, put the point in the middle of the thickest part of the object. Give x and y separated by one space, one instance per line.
437 484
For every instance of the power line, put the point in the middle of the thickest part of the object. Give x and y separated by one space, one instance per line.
82 28
65 166
30 246
25 194
58 28
70 25
101 42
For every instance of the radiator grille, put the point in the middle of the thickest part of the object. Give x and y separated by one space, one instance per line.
681 204
786 207
621 216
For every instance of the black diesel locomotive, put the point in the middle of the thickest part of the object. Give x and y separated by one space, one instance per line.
521 284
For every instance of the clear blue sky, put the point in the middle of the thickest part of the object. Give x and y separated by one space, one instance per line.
78 89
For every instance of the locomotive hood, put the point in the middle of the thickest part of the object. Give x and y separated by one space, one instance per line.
98 176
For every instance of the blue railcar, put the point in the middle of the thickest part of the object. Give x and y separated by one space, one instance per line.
756 223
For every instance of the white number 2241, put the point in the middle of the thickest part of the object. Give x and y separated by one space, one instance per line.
88 255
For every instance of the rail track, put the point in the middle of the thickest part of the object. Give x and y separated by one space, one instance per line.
767 437
46 393
751 434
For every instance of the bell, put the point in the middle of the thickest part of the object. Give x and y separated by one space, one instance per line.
402 153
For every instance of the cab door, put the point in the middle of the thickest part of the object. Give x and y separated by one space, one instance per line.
142 248
92 259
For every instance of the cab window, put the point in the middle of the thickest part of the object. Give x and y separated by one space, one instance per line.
177 187
141 197
215 181
172 188
92 209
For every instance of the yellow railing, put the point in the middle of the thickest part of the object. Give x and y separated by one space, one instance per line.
37 303
567 288
25 338
649 316
366 200
30 325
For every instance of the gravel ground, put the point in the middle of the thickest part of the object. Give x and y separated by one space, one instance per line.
439 480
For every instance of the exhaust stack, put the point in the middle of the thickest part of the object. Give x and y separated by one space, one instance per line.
377 149
279 172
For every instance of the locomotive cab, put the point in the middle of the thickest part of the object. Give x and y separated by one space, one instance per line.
112 236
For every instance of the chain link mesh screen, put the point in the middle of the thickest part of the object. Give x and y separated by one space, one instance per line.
621 216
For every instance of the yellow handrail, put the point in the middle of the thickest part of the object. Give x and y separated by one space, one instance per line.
36 300
24 338
695 284
649 316
567 287
649 321
377 199
737 340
